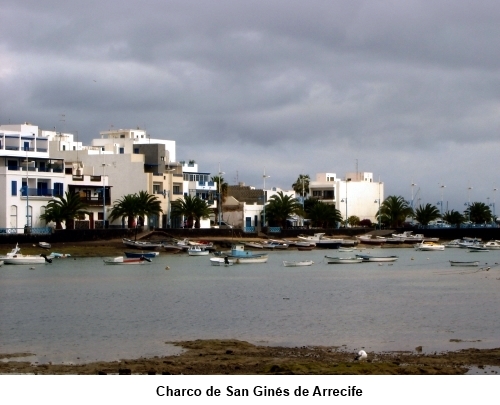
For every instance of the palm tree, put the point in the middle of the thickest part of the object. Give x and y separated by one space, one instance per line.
301 185
394 210
133 205
453 218
193 208
478 213
323 215
222 188
64 209
280 207
427 213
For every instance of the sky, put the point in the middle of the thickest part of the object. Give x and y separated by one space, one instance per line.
407 90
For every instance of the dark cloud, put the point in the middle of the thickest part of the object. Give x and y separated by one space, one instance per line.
409 89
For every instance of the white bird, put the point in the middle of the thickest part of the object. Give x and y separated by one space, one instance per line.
361 355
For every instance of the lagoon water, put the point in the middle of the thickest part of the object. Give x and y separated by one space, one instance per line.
82 310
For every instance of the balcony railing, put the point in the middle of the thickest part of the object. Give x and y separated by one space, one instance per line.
35 192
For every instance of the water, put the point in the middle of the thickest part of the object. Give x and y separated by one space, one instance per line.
81 310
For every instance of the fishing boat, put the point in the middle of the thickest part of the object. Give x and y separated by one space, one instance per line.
297 263
368 240
343 260
14 257
304 245
464 264
149 255
368 258
197 251
241 256
120 260
221 261
138 244
428 246
409 237
322 241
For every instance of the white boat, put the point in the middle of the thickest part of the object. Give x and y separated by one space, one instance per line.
55 255
275 244
123 260
428 246
322 241
240 256
341 249
464 264
369 240
408 237
455 243
298 263
481 248
221 261
14 257
144 245
466 243
254 245
368 258
44 245
492 245
304 245
344 260
149 255
197 251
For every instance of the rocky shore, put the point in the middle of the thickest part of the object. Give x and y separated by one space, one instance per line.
212 357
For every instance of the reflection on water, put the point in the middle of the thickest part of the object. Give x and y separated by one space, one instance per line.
81 310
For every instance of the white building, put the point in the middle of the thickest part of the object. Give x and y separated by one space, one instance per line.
355 195
29 176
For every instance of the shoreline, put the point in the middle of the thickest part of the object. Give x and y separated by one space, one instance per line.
234 357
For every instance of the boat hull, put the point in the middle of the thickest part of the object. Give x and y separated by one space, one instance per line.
298 264
344 260
137 255
125 261
382 259
219 261
464 264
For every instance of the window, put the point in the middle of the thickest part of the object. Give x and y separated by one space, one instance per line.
13 216
58 189
122 151
136 151
13 188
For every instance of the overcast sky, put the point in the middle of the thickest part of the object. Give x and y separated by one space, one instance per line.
408 89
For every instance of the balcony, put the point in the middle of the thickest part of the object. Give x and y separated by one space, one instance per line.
35 192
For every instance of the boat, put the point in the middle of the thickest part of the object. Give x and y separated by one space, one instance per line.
149 255
304 245
409 237
138 244
55 255
254 245
173 247
221 261
297 263
368 258
125 260
197 251
241 256
481 248
492 245
344 260
464 264
368 240
466 243
275 244
342 249
455 243
14 257
322 241
428 246
44 245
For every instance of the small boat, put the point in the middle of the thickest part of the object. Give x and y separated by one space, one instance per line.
197 251
221 261
44 245
14 257
254 245
298 263
408 237
138 244
55 255
478 248
149 255
240 256
341 249
492 245
173 247
428 246
344 260
464 264
368 240
322 241
304 245
466 243
124 260
455 243
275 244
368 258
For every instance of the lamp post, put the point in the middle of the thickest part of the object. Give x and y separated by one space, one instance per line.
379 216
468 203
219 200
442 186
493 204
346 217
103 195
264 176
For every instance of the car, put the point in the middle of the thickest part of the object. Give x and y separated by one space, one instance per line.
222 225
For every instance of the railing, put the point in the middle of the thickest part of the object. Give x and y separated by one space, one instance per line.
274 229
249 229
34 231
34 192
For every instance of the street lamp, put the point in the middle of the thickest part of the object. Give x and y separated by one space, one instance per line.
468 203
379 216
441 202
104 195
493 204
264 176
345 200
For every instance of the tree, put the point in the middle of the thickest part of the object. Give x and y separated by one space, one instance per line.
64 209
353 220
323 215
366 223
301 185
394 210
133 205
222 188
280 207
454 218
478 213
193 208
427 213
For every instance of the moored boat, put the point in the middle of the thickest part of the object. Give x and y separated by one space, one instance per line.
138 244
428 246
464 264
14 257
478 249
287 263
322 241
44 245
149 255
197 251
369 258
368 240
241 256
343 260
221 261
124 260
492 245
304 245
